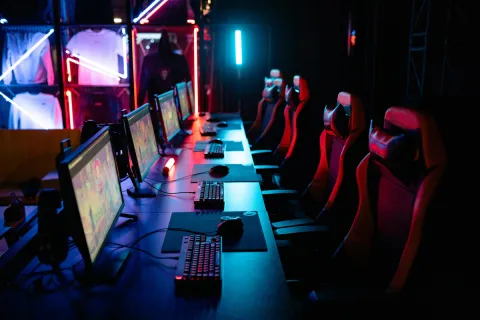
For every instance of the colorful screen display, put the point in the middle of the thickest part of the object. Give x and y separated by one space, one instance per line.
182 99
169 116
190 94
143 136
97 192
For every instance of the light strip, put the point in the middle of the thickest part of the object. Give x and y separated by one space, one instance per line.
70 107
191 21
134 59
150 7
88 67
238 47
195 65
25 56
28 114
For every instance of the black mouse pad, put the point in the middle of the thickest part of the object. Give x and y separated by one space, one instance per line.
252 238
230 146
223 116
231 126
237 173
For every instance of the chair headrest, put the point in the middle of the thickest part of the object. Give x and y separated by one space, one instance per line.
336 121
271 94
296 83
304 90
392 148
275 73
278 82
420 127
354 109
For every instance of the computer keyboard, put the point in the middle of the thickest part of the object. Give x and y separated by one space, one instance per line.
200 262
209 195
214 150
208 130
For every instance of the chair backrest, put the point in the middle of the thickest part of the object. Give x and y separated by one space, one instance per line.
343 144
272 130
299 164
397 182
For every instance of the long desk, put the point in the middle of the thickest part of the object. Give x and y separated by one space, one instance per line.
254 286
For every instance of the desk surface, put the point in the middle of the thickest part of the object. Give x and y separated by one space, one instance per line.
254 285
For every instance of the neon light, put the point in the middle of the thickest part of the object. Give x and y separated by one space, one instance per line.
88 67
195 66
70 107
238 47
150 7
191 21
28 114
25 56
134 59
168 166
117 20
3 21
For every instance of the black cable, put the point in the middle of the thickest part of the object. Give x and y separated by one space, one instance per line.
141 250
182 178
165 192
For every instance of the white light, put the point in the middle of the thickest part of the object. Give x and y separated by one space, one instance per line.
117 20
3 21
238 47
147 47
146 11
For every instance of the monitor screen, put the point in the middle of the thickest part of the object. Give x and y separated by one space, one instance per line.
144 150
182 100
168 115
96 186
190 95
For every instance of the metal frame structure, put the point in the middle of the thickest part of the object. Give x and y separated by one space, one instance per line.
417 51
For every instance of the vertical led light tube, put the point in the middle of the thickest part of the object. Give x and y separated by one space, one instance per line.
238 47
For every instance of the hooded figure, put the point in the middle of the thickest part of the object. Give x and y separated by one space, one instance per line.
162 70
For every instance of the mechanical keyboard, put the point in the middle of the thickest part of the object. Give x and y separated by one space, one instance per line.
208 130
200 263
209 195
214 150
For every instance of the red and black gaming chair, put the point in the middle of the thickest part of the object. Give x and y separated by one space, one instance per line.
295 154
333 192
270 96
397 181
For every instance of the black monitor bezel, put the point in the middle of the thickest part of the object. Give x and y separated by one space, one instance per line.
158 101
131 146
189 86
70 202
182 86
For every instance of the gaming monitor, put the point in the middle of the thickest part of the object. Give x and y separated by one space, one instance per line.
141 141
167 112
91 193
183 103
191 99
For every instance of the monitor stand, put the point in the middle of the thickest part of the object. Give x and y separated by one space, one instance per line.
170 151
107 269
139 191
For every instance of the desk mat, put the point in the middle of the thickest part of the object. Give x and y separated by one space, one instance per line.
231 126
230 146
237 173
223 116
252 238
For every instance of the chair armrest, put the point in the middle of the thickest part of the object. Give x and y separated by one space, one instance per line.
267 168
293 223
284 193
301 230
261 152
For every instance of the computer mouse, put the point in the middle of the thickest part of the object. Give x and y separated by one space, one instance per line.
219 171
230 226
222 124
217 141
202 114
213 120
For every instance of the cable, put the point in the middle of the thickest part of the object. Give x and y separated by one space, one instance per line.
141 250
165 192
182 178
